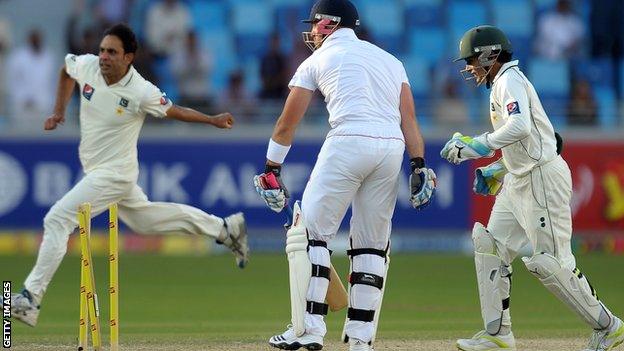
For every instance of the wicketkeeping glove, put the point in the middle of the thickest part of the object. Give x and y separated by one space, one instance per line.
270 187
489 179
422 182
462 147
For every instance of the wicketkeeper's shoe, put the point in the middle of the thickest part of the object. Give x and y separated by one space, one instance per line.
359 345
607 339
289 341
237 238
24 309
483 341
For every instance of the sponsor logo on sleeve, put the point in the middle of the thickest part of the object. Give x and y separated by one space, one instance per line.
87 91
513 108
164 100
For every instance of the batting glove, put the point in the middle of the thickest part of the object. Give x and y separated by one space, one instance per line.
422 182
270 187
462 147
489 179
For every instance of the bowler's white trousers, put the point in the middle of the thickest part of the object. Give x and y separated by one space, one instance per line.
535 209
362 172
102 187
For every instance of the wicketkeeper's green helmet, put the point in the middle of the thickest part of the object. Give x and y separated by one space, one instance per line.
483 38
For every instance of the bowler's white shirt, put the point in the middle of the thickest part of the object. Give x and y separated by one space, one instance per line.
361 84
111 116
521 127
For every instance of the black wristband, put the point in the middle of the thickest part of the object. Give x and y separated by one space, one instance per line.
417 162
277 170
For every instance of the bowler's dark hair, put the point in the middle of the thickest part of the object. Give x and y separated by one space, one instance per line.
126 35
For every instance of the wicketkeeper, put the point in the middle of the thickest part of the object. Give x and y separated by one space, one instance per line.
533 187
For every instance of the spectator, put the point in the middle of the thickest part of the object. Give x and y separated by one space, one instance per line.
582 108
450 109
560 33
113 11
607 28
168 23
83 28
274 72
5 42
237 100
191 66
31 73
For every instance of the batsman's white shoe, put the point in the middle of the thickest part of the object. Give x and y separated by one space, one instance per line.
608 339
24 309
289 341
237 238
359 345
483 341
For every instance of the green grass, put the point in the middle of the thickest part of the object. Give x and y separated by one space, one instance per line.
207 299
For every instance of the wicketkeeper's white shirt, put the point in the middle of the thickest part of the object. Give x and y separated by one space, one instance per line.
521 127
111 116
361 84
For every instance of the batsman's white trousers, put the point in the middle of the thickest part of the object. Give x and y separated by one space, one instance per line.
357 170
535 209
102 188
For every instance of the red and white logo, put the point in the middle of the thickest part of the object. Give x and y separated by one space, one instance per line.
513 108
87 91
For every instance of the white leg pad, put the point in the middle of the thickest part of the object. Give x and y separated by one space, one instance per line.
299 271
571 287
366 288
493 279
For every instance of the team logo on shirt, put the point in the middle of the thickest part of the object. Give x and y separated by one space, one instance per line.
492 108
513 108
123 102
163 99
87 91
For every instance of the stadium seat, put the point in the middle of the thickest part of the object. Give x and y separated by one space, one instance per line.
621 84
424 13
383 18
208 15
166 80
522 48
514 17
290 14
251 18
427 44
463 15
222 48
550 78
251 69
607 107
419 75
599 72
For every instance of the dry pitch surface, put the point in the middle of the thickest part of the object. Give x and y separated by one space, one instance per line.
395 345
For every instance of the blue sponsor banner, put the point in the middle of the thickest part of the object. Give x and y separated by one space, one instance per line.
213 176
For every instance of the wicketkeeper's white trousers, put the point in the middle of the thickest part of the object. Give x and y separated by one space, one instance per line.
535 209
101 188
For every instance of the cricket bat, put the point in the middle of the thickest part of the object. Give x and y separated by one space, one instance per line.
337 297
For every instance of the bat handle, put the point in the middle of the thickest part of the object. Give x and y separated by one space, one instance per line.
289 215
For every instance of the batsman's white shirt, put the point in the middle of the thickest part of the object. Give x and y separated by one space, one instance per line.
361 84
111 116
534 205
360 161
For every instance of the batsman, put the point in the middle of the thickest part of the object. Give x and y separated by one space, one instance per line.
533 187
372 119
